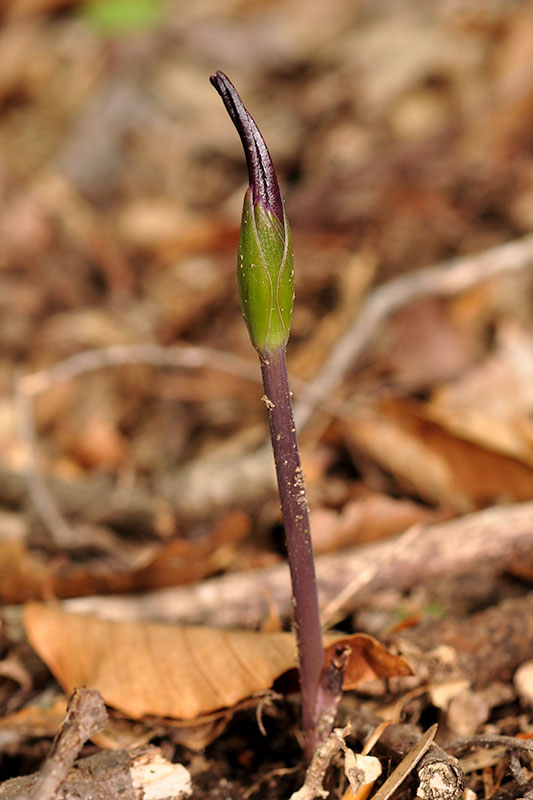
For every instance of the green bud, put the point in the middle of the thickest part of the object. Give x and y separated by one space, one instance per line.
265 261
265 276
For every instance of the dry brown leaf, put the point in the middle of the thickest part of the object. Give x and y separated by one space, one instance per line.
366 519
425 344
35 721
26 574
187 560
368 660
492 405
177 671
443 468
22 573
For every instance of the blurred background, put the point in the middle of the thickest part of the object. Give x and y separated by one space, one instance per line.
402 137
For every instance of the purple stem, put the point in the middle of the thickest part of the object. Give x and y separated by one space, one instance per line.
298 537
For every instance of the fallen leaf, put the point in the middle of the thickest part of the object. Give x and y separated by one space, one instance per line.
26 574
178 671
186 560
366 519
442 468
34 721
22 572
368 660
492 405
426 345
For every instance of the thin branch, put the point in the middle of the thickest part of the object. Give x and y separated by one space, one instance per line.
86 716
316 772
141 772
444 280
461 745
495 536
41 497
183 356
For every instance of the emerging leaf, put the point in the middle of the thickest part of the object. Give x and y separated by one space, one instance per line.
265 276
265 260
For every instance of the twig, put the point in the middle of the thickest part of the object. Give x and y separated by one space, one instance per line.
515 768
313 785
399 546
86 716
183 356
514 746
494 536
462 744
440 776
43 501
443 280
137 774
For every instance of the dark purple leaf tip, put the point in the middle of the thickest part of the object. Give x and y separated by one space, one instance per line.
263 180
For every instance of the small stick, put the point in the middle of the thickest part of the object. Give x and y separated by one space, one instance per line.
316 772
494 537
462 744
86 716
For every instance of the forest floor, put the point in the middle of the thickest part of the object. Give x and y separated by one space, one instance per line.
141 544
